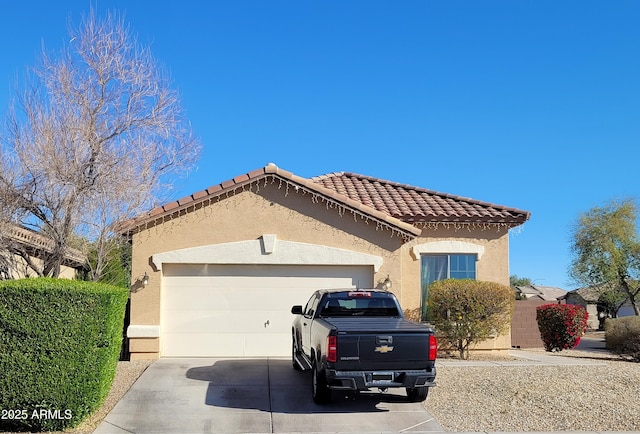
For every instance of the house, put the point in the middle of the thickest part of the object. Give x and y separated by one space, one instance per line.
32 246
589 298
537 292
215 273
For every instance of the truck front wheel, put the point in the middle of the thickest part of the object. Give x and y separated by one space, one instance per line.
417 394
319 389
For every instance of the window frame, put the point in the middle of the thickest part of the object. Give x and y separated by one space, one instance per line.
424 287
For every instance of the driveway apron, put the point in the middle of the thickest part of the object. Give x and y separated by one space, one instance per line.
252 396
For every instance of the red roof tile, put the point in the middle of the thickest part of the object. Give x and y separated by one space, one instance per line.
413 204
397 205
199 195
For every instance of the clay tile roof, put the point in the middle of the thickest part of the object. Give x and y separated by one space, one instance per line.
547 293
398 205
418 205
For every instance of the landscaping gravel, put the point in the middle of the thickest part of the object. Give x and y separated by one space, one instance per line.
539 398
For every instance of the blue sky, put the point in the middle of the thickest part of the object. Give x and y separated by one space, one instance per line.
529 104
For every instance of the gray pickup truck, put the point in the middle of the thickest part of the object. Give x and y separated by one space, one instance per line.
357 340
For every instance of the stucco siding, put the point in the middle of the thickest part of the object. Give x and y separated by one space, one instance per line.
493 265
249 215
18 268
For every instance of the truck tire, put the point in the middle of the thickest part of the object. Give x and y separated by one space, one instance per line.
417 394
319 389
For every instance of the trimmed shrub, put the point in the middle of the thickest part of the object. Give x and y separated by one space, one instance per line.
622 336
465 312
413 314
59 347
561 325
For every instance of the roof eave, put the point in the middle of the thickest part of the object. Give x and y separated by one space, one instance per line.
407 230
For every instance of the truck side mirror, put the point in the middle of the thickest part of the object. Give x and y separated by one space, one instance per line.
296 310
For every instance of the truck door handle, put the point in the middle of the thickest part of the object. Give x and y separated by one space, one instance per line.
266 324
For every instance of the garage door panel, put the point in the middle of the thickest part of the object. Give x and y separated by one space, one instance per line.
259 345
211 298
221 310
244 270
198 322
243 322
202 345
226 345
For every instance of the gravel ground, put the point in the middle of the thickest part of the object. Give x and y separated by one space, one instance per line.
539 398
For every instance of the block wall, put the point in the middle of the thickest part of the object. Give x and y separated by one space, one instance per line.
524 327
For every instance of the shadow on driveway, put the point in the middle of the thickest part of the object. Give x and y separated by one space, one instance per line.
273 385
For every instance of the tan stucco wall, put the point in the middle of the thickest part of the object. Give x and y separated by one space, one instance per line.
492 266
247 216
20 269
144 348
294 216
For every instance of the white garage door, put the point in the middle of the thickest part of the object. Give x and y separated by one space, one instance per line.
241 310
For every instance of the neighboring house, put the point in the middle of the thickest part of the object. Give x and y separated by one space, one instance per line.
33 245
537 292
588 297
215 274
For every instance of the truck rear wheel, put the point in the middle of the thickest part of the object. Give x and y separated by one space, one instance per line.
319 389
417 394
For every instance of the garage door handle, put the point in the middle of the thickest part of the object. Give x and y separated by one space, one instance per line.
266 324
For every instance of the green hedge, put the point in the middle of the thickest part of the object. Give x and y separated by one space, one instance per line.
622 336
59 346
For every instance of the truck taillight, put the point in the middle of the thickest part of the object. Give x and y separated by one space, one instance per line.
433 347
332 349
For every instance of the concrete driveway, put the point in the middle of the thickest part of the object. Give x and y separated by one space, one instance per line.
252 396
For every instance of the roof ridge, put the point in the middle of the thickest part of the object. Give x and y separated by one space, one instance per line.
327 175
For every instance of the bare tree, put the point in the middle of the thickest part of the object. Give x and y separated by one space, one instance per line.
93 139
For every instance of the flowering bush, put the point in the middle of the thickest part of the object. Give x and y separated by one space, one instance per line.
561 325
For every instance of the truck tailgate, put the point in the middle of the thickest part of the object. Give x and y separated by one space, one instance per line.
381 343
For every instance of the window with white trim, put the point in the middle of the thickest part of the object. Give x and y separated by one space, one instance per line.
440 267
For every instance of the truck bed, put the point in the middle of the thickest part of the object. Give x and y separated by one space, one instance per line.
380 343
368 325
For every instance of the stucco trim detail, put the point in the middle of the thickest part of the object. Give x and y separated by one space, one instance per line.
143 331
447 247
268 251
268 243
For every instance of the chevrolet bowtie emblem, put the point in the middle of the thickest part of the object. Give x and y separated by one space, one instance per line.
383 349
